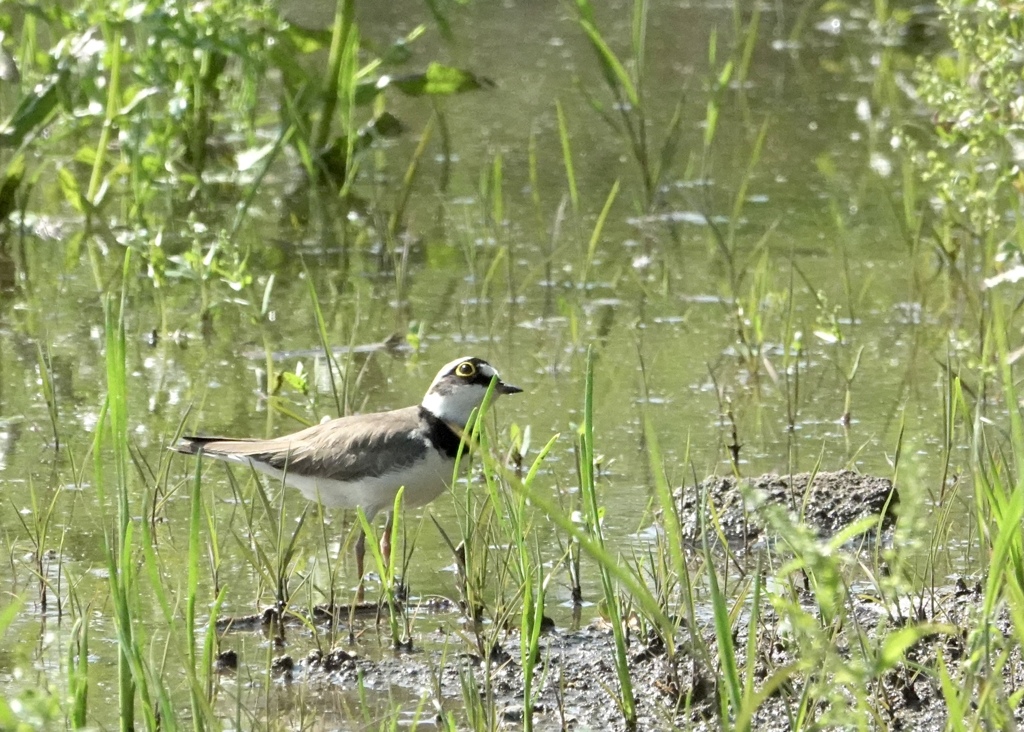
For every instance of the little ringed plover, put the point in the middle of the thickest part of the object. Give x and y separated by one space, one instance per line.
363 460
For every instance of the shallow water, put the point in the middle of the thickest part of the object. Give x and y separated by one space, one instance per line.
656 304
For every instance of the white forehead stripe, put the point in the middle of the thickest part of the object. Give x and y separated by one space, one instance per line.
450 366
485 368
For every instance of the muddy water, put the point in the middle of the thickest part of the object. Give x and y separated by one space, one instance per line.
821 283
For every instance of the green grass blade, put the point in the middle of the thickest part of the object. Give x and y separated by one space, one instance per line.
595 235
570 171
615 73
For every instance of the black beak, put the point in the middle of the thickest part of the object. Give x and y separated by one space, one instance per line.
503 388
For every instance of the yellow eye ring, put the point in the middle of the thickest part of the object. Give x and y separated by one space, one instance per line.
466 369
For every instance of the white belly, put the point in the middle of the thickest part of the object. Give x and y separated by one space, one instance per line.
424 481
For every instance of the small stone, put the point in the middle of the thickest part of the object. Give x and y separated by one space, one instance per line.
513 713
337 659
315 657
498 654
282 666
226 661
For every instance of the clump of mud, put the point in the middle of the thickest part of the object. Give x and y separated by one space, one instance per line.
827 502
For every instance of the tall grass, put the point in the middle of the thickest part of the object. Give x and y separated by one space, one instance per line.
78 674
134 571
629 114
344 45
514 524
37 530
594 517
388 571
274 564
119 547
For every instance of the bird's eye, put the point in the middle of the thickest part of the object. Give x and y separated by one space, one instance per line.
466 369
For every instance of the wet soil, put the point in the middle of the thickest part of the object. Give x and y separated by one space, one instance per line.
826 501
576 684
575 676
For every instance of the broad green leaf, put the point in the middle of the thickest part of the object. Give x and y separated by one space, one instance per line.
33 113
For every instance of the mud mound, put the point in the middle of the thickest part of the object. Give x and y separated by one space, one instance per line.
828 503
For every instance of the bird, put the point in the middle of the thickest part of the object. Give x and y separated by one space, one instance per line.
361 461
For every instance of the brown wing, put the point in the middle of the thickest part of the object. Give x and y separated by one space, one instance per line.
344 449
